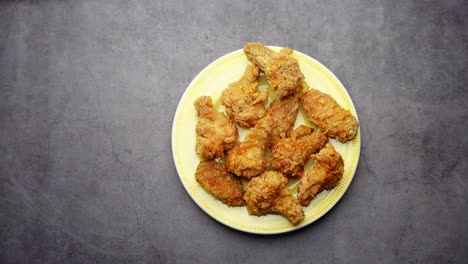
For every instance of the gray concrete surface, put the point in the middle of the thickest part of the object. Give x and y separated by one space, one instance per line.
88 92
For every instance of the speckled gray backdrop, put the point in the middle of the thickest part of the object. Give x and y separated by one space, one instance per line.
88 91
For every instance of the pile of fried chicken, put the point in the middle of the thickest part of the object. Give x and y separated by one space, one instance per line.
224 160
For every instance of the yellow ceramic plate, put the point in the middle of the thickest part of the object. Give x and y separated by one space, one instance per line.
212 81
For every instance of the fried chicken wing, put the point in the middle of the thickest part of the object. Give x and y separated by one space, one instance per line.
247 159
282 71
323 111
215 132
244 103
215 178
283 113
326 173
269 193
290 154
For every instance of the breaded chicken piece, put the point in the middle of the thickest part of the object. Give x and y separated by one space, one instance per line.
283 113
214 178
290 154
326 173
247 159
244 103
215 132
269 193
323 111
282 71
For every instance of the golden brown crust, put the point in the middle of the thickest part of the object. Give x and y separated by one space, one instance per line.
269 193
214 178
282 71
290 154
283 113
323 111
247 159
244 103
326 173
215 132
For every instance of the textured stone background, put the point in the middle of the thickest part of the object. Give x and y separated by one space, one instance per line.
88 91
